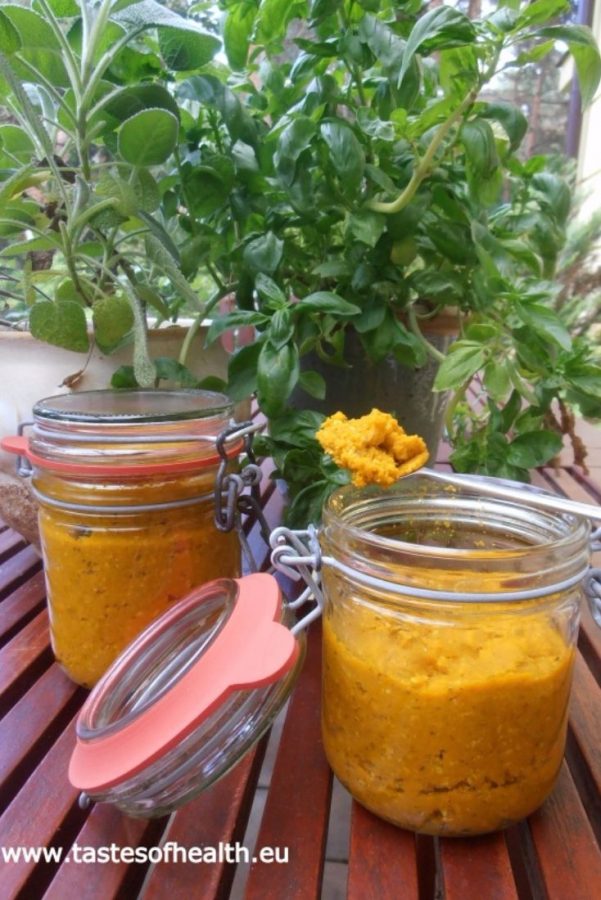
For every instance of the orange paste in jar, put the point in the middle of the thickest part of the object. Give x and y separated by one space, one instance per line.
109 574
445 730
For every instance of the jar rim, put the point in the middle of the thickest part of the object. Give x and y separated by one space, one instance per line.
132 406
374 499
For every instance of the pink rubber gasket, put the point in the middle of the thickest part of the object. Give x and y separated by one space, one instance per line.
254 649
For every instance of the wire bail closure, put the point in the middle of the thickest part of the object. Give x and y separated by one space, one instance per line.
297 554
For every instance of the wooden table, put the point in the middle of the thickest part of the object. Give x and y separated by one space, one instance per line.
555 854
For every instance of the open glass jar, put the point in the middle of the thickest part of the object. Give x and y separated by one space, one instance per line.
449 627
126 482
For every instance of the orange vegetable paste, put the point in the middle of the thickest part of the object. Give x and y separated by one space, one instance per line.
375 448
108 575
445 730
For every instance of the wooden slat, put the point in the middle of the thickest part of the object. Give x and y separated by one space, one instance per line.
17 608
569 856
24 730
477 867
10 543
91 880
296 811
24 658
17 569
35 816
217 817
590 642
585 716
382 859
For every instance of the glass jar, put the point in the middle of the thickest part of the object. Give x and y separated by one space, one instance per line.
125 482
449 630
188 697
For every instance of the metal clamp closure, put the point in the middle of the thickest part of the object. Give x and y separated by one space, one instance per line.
230 501
297 554
592 587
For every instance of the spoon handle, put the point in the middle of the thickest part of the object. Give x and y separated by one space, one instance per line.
515 490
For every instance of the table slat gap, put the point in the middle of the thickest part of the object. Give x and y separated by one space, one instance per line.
21 606
23 660
480 866
33 725
586 784
569 856
18 569
297 807
524 862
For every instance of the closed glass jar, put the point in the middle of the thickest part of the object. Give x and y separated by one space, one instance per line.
125 482
450 624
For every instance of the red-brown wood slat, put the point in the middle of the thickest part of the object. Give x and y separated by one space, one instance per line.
18 606
477 867
382 859
569 856
24 658
585 719
216 818
298 802
36 817
89 880
10 543
29 726
17 568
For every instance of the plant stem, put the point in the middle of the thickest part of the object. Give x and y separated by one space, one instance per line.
426 163
68 55
190 335
416 330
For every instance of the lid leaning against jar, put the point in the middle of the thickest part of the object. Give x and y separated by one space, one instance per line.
187 698
141 432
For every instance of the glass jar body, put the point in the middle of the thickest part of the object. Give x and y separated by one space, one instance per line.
443 716
108 574
125 483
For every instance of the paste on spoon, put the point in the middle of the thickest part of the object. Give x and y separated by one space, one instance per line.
374 447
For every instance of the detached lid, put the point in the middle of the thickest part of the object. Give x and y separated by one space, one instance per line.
187 698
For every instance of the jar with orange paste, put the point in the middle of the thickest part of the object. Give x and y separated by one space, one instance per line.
449 631
126 482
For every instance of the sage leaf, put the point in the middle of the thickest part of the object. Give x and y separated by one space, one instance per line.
149 137
62 323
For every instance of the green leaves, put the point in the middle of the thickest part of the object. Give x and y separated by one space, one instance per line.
544 322
113 319
464 359
480 147
346 153
583 47
149 137
293 140
10 39
439 28
62 323
277 373
533 449
510 118
263 254
237 30
184 44
326 302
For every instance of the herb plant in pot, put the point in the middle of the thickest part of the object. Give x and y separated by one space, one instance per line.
377 188
88 143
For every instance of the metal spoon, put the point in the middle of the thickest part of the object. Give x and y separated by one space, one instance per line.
515 490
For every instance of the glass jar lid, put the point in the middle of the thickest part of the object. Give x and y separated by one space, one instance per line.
188 697
142 432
